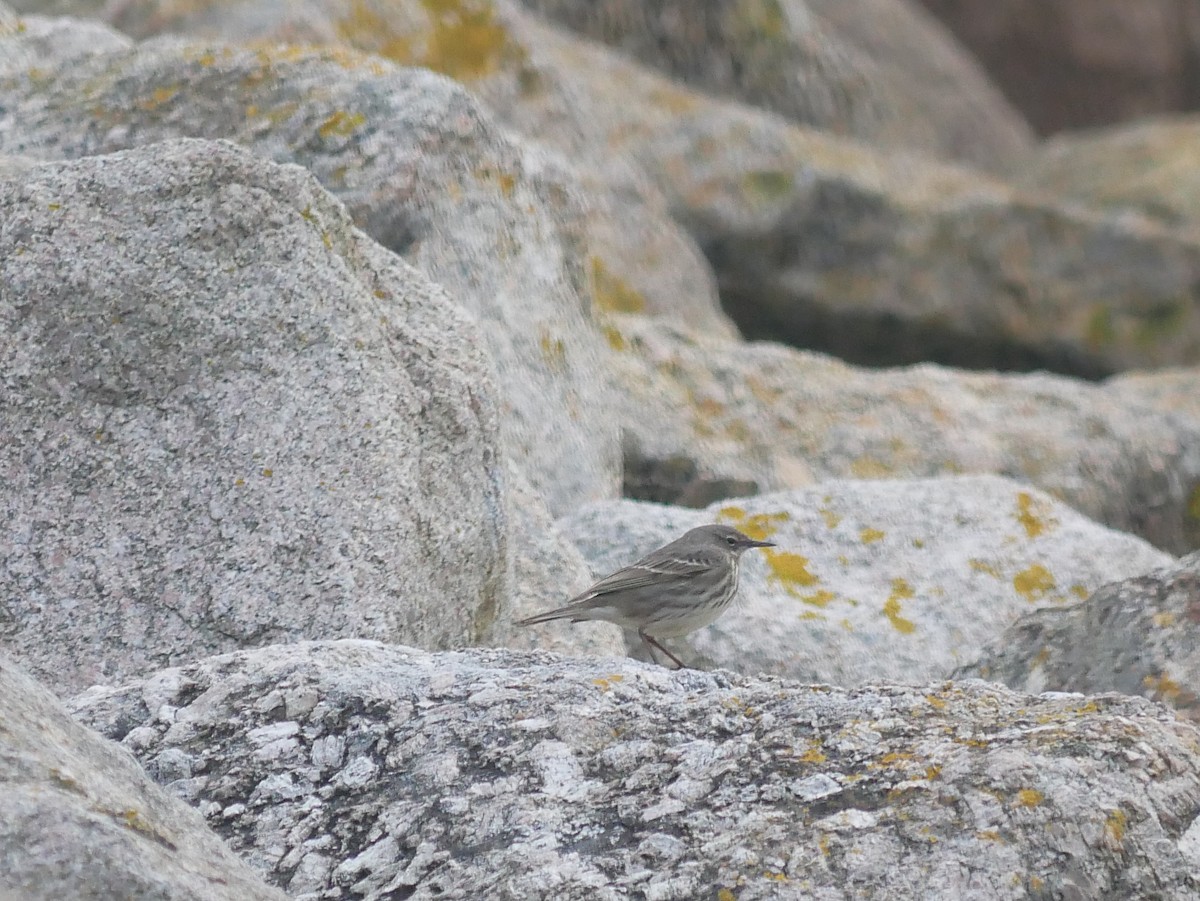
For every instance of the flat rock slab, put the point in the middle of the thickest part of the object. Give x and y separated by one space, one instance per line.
357 770
79 819
887 579
1139 636
230 418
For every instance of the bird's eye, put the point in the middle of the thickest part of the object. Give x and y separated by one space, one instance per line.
731 541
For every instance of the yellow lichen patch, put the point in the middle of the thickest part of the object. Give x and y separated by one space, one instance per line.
467 42
767 185
982 566
612 293
604 683
1163 619
812 755
871 468
1193 504
159 97
366 29
990 835
890 760
725 894
760 526
811 614
823 843
935 702
819 598
1034 583
775 877
1162 687
831 519
1080 591
615 339
901 590
789 570
870 536
1033 516
341 124
847 625
554 351
1029 797
932 771
1115 825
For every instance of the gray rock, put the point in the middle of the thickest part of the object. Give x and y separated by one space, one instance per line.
876 70
352 769
886 579
1140 636
421 167
703 418
230 418
79 819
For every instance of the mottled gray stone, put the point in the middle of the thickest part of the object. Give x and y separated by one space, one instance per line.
1140 636
81 821
701 415
230 418
885 579
356 770
421 167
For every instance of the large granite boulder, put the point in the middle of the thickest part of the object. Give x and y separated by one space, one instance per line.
353 769
80 819
421 167
883 579
705 419
1139 636
230 418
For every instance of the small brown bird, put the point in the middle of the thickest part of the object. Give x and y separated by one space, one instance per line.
681 587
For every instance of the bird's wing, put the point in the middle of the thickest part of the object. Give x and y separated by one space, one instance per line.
649 571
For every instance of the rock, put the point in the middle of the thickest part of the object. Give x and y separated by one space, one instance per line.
1148 167
355 769
1079 63
1139 636
706 419
545 567
881 71
887 579
230 418
80 819
422 168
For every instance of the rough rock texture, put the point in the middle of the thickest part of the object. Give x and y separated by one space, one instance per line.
707 419
879 70
79 819
230 418
355 770
545 568
1139 637
1074 63
1151 167
902 579
882 258
422 169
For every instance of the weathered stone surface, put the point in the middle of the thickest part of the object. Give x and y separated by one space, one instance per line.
229 418
1150 167
878 70
707 419
888 579
545 565
352 769
422 169
1140 636
1077 63
79 819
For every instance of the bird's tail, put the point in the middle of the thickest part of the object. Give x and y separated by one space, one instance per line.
558 613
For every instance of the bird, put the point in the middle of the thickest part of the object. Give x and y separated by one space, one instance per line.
679 588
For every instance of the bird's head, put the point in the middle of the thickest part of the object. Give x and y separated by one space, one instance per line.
730 539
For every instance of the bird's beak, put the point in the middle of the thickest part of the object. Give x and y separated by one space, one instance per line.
750 542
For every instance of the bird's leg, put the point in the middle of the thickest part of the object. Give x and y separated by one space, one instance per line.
652 643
